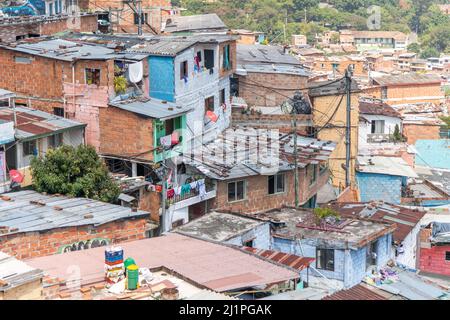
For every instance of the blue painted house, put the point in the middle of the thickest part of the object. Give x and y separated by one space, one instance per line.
382 178
193 72
344 249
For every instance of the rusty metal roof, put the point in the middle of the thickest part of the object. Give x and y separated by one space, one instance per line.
290 260
33 123
358 292
405 219
214 266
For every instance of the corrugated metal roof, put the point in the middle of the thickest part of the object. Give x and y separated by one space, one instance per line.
29 211
173 45
194 23
405 218
32 123
152 108
332 87
358 292
15 273
215 166
162 47
65 50
217 267
274 68
413 287
5 94
290 260
394 166
262 54
407 78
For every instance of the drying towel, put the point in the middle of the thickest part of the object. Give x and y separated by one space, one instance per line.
135 72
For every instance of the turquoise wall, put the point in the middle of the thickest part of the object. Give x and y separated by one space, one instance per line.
374 186
162 81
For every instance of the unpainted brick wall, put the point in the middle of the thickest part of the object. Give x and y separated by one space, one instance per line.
125 133
258 199
251 88
414 132
36 244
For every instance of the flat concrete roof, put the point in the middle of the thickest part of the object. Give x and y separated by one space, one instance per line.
218 226
345 233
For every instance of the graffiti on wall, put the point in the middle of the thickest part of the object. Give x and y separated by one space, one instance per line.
83 245
22 7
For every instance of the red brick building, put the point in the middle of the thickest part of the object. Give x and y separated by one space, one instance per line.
16 28
434 252
256 172
267 75
67 78
71 224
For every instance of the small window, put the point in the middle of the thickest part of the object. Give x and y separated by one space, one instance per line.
248 244
209 59
236 191
209 104
447 255
25 60
55 141
199 56
169 126
183 70
323 168
92 76
325 259
58 112
222 97
226 58
312 173
384 93
377 126
144 17
276 184
29 148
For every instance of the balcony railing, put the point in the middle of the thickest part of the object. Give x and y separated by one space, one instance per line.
380 137
189 195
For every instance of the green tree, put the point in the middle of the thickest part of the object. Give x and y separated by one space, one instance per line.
77 172
414 47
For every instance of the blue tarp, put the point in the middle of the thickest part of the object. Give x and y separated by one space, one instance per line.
28 8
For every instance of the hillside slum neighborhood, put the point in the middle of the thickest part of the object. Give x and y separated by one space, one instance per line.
247 171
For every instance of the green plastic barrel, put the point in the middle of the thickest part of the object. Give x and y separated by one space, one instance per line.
128 262
132 277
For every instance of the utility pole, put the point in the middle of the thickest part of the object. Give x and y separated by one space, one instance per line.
285 26
140 17
348 86
294 122
295 106
164 192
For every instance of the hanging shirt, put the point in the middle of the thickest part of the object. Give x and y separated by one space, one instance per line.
202 188
170 193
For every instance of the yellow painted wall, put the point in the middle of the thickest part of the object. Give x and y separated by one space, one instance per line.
323 108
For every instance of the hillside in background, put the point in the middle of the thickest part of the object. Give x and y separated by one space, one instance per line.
311 16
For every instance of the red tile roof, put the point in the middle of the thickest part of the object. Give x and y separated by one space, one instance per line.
358 292
286 259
